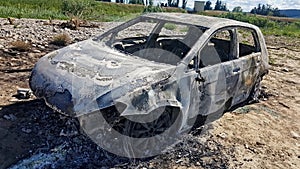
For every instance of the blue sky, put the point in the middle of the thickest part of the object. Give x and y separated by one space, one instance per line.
248 5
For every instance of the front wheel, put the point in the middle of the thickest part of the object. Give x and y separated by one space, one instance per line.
133 137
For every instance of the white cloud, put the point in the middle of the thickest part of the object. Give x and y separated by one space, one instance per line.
248 5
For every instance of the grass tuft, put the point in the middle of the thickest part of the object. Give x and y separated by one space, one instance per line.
20 46
61 39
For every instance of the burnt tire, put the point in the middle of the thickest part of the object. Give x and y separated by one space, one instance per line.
169 117
129 137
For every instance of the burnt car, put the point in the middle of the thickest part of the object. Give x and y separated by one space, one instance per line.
154 74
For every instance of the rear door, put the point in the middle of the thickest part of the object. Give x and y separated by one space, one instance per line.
247 62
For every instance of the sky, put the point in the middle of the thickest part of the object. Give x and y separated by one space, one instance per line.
248 5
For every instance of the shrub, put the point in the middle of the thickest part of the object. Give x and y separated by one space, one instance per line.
20 46
77 8
152 9
61 39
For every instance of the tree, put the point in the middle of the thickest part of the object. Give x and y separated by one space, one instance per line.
224 7
254 10
237 9
136 1
265 10
218 5
173 3
184 4
207 6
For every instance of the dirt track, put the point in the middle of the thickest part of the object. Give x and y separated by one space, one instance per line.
261 135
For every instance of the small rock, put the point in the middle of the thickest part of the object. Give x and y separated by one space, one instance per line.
67 134
264 87
285 70
36 51
10 117
26 130
259 143
16 37
295 135
247 159
32 55
178 161
54 29
222 135
6 50
41 47
23 93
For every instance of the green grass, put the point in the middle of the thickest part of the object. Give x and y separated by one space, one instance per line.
41 9
65 9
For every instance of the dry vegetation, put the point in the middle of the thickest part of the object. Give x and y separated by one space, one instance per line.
61 39
20 46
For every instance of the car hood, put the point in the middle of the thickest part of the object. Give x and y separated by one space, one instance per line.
87 70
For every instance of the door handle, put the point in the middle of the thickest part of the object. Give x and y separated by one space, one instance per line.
236 70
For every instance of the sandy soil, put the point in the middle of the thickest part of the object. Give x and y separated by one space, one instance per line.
260 135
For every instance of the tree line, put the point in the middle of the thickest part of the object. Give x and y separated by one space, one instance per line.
261 9
266 10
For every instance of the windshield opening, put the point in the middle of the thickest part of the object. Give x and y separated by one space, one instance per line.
154 40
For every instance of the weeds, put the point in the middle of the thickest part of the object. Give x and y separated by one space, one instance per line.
61 39
150 8
77 8
20 46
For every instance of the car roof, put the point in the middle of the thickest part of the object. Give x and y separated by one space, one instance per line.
194 19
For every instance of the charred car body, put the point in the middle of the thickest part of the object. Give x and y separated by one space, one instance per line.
155 71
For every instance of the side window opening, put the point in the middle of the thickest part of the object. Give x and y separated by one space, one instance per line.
218 49
177 38
247 40
155 40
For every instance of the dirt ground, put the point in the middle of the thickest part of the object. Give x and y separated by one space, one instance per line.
260 135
